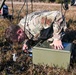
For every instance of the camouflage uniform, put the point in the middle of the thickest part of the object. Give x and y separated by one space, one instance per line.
43 19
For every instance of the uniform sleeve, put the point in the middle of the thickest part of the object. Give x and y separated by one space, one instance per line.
56 31
58 27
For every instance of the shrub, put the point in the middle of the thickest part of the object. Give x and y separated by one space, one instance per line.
58 1
44 0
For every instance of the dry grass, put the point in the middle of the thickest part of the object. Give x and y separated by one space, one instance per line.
24 65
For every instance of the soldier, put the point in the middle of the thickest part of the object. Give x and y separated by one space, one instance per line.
36 26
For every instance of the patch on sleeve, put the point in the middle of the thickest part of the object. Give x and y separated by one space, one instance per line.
45 21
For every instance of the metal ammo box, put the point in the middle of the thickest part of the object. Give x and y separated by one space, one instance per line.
43 54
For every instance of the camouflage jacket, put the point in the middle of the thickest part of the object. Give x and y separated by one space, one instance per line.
34 22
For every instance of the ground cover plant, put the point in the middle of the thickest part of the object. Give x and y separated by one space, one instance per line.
24 65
